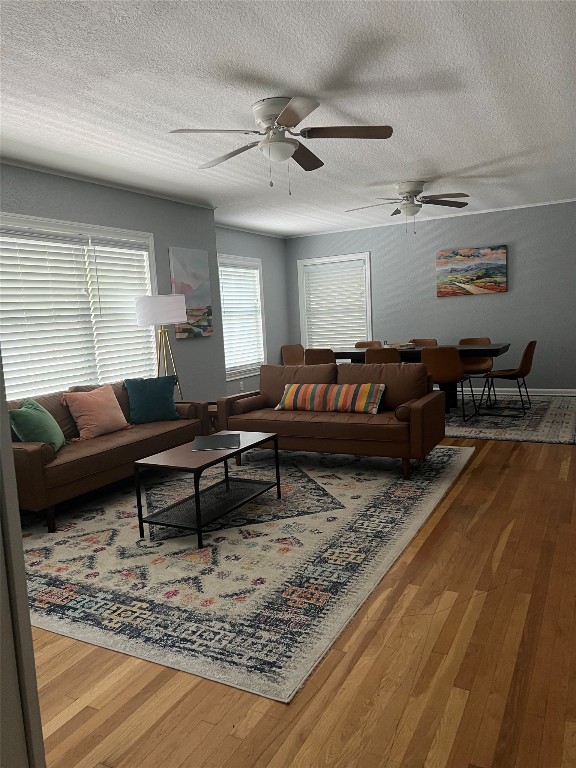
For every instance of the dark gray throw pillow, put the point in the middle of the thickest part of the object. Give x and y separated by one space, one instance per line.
151 399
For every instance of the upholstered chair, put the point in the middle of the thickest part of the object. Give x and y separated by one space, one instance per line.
292 354
445 368
318 356
477 365
382 355
368 344
512 374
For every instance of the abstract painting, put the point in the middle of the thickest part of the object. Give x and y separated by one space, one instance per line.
468 271
190 276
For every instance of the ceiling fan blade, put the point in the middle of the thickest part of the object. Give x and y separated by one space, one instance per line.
375 205
306 159
348 132
446 194
216 130
295 111
222 158
396 212
447 203
391 199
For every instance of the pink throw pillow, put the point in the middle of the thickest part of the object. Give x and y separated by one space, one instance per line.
96 412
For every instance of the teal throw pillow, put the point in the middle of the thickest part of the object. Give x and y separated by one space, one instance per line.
151 399
34 424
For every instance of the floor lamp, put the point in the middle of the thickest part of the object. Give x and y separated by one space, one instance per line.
161 311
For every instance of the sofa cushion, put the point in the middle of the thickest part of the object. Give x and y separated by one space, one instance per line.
152 399
96 412
317 424
273 378
342 398
32 423
89 457
404 381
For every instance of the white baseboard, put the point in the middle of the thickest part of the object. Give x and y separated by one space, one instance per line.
561 392
513 392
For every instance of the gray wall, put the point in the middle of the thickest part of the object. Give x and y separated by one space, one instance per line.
540 302
272 252
200 362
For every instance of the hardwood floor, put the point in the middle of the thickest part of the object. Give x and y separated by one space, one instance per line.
465 655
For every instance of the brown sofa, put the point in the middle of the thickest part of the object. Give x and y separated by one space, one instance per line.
45 478
410 421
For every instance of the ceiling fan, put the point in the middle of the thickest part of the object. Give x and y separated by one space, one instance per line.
275 117
410 199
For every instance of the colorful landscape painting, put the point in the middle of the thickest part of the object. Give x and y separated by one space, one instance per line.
190 276
468 271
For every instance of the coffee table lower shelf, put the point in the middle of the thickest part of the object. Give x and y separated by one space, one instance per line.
216 502
205 505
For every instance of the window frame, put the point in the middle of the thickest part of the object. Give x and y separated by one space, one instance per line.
335 259
245 262
38 226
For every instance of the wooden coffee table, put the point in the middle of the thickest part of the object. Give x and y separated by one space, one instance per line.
204 506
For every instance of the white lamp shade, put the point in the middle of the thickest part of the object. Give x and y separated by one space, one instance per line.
161 310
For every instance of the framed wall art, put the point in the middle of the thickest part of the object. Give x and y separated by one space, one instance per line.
189 273
469 271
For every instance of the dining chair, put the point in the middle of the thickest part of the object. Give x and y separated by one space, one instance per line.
445 368
318 356
511 374
424 342
477 365
292 354
382 355
368 344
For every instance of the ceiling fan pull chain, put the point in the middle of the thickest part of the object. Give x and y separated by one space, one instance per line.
271 182
289 190
414 220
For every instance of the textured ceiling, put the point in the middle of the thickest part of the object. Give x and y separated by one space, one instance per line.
480 95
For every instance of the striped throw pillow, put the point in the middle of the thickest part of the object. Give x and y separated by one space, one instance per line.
344 398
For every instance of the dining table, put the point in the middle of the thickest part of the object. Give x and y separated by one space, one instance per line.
412 354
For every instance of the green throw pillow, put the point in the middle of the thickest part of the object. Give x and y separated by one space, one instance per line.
151 399
34 424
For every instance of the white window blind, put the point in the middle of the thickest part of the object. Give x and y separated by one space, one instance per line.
334 301
242 322
67 313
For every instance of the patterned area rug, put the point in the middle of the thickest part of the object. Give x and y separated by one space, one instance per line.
259 606
550 420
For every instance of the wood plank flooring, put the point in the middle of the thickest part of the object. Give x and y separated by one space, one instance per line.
464 657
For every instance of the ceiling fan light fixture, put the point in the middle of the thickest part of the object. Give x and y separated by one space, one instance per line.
277 147
410 209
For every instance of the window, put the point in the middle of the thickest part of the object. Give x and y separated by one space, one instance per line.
241 297
335 300
67 313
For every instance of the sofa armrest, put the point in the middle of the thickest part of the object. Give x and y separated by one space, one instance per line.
195 409
403 412
29 462
427 423
225 406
